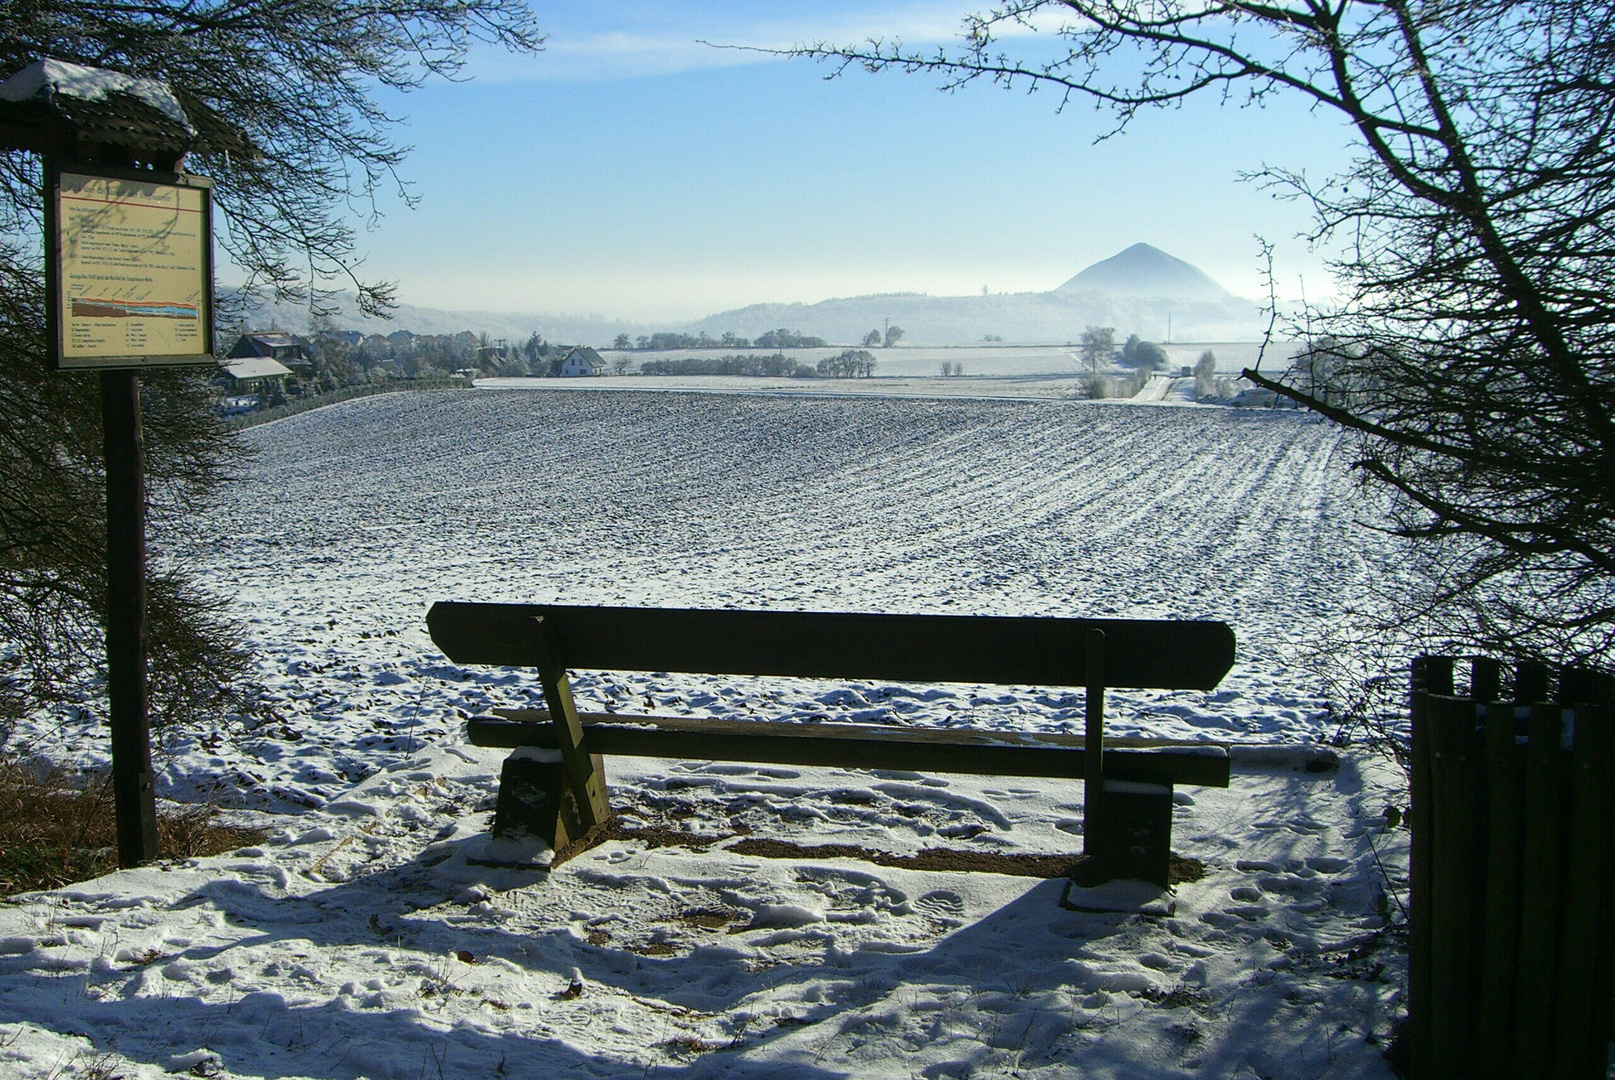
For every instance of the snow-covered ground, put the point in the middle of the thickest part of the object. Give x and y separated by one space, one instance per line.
994 360
363 939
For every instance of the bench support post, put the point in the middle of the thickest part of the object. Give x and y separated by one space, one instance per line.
1093 744
1127 827
535 799
583 774
1135 839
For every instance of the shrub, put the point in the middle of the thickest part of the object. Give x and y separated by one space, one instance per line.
55 831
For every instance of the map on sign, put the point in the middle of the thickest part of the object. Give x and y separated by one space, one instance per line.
133 272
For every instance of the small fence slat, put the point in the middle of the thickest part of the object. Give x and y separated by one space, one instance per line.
1600 690
1417 1032
1530 683
1577 686
1603 985
1455 885
1540 892
1575 1017
1505 782
1485 679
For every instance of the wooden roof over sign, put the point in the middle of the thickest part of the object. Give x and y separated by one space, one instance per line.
71 111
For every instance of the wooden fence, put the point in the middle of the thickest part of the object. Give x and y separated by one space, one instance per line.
1511 953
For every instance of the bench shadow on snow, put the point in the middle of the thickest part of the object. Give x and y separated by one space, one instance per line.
1009 961
260 1034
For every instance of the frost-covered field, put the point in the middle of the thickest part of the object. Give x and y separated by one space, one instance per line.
995 360
360 941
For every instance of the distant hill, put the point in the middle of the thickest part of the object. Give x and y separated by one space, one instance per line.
1145 271
512 326
1029 318
1134 292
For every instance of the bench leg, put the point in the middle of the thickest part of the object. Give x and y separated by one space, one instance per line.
1131 835
536 799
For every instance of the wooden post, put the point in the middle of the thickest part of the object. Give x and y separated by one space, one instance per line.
1485 678
1417 1031
1530 682
1540 870
1454 878
1438 675
1603 985
588 785
1579 1036
124 449
1576 686
1505 783
1093 770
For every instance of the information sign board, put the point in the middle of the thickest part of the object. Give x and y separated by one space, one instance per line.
129 268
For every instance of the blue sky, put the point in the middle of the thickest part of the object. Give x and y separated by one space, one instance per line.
634 172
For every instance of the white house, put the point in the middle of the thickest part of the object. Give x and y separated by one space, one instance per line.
582 361
252 375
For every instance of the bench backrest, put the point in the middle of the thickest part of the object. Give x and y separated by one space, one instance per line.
1029 651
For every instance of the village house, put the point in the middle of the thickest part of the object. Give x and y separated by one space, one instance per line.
582 361
260 375
275 345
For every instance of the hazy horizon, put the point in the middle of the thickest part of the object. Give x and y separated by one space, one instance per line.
634 172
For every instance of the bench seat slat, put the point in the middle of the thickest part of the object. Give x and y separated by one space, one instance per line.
865 746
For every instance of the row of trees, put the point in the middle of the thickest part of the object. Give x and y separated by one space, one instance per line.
847 365
1097 347
666 340
769 339
776 364
1099 385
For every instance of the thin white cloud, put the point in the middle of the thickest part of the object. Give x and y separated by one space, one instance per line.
584 50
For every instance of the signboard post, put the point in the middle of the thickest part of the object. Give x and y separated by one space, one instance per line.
129 285
133 786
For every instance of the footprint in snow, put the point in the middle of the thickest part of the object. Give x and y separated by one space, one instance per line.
941 902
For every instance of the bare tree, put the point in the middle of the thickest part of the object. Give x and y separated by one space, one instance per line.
1471 348
285 90
1098 346
1205 375
296 79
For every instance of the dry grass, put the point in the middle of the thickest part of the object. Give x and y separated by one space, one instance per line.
56 829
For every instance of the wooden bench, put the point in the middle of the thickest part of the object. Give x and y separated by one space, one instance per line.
561 795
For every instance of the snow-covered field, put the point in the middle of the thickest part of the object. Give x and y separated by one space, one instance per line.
363 939
995 360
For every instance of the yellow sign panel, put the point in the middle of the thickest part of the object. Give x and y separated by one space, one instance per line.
133 272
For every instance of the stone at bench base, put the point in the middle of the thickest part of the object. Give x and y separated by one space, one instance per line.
1131 835
536 800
